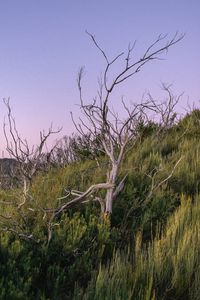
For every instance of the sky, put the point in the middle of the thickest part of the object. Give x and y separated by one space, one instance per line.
43 44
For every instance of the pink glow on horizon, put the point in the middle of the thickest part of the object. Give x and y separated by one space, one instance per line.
43 44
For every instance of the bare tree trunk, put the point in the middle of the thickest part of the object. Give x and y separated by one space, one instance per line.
112 176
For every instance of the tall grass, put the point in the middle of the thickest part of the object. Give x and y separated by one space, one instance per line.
168 267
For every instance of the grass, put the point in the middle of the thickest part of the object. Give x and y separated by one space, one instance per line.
165 268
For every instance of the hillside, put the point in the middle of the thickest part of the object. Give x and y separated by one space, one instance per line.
147 249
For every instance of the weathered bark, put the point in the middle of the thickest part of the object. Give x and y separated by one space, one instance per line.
112 177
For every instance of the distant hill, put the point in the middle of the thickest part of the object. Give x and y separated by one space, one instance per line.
7 165
8 172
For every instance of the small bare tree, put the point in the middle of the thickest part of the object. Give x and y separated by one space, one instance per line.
30 159
165 110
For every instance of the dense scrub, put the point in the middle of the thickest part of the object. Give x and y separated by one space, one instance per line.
149 249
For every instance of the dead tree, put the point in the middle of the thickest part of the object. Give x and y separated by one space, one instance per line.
28 162
165 110
29 159
116 135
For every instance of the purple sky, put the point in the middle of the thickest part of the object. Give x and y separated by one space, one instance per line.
43 44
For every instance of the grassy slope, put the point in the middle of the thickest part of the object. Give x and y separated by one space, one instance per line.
137 256
165 268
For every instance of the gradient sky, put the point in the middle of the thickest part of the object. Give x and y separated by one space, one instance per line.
43 44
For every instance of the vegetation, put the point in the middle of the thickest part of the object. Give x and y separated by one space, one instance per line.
148 249
112 213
